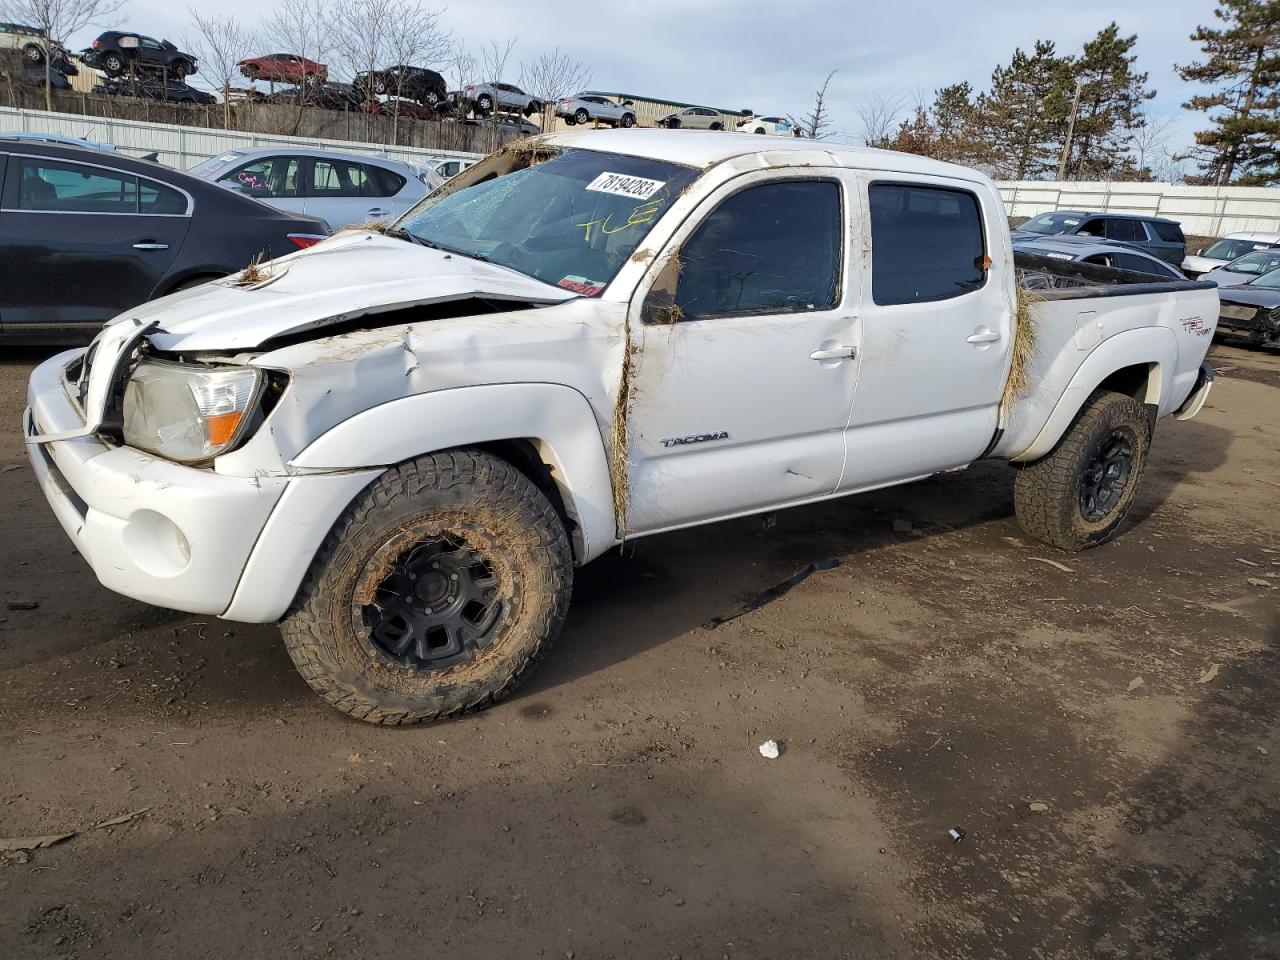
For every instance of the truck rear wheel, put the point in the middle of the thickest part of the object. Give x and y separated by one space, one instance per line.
436 593
1076 497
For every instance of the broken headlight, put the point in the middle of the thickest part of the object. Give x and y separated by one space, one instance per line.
187 412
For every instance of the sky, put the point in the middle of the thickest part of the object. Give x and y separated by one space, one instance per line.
771 57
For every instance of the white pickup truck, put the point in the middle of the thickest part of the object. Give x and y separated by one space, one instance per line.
400 444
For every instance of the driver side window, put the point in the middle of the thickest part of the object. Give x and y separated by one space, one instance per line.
773 248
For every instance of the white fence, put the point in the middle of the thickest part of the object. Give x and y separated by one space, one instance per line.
183 147
1202 211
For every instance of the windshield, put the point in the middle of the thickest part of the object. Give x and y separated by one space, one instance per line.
1230 249
1051 224
1270 281
1260 261
571 221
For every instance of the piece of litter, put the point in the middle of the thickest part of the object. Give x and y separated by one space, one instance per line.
34 843
1054 563
1264 751
956 834
770 750
1038 806
1258 582
123 818
1135 683
1209 674
23 604
1247 563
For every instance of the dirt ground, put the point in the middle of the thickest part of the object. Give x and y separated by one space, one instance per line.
1102 729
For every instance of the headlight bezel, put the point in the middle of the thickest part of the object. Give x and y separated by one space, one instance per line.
190 372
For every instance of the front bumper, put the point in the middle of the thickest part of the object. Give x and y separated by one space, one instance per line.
151 529
1259 324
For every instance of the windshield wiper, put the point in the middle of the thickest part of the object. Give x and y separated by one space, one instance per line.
400 233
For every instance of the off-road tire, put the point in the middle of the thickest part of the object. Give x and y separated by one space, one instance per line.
1047 493
459 491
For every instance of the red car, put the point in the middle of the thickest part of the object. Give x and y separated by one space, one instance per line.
283 68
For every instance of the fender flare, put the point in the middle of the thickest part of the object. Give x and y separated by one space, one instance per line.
556 419
1153 347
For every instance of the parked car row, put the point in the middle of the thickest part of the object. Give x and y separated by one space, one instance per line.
1245 266
87 233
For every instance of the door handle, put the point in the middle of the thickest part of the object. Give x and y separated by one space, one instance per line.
377 212
984 335
834 353
150 245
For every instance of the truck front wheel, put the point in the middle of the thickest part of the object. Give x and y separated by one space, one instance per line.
435 594
1076 496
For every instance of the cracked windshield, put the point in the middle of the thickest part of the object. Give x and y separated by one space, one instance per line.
571 220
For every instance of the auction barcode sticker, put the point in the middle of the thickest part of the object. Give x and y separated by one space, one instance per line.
637 188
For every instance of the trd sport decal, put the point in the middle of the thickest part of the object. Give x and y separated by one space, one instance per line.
694 438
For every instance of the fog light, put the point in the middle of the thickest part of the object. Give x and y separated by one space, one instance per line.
156 545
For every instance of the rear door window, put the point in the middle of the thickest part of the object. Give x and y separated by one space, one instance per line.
927 243
773 248
47 185
380 182
339 178
154 198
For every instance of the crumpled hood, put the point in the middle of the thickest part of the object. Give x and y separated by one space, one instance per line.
341 279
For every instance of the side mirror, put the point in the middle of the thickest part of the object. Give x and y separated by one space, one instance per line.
660 307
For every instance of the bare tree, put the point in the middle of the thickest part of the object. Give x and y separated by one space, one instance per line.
878 117
220 43
1149 143
551 77
815 123
304 29
58 20
419 38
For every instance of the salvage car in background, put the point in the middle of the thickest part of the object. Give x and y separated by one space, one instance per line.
416 83
402 443
1231 247
148 87
1158 236
1245 268
775 126
35 47
593 108
116 52
693 118
85 234
486 98
1252 310
283 68
340 188
1099 252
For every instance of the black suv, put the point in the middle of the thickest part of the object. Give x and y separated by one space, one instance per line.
116 52
416 83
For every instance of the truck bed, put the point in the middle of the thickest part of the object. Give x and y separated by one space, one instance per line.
1052 278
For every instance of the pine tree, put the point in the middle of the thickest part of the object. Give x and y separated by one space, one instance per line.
1242 58
1023 115
1111 99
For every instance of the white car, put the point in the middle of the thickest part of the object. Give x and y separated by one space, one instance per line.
775 126
400 445
341 188
594 108
693 118
448 167
1244 269
1231 247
